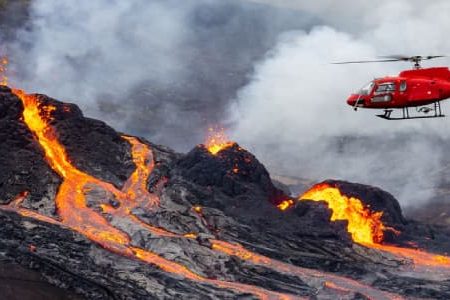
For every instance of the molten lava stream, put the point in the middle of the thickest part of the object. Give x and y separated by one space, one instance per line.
136 186
366 227
15 206
71 201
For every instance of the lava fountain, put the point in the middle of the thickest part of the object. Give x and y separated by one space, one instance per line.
217 140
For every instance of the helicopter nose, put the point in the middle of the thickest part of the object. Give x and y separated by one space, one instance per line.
352 100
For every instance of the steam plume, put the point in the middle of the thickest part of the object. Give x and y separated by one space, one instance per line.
294 116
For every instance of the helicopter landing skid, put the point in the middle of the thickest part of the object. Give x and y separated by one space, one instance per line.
406 116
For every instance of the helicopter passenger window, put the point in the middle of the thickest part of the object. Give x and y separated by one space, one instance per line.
403 86
387 87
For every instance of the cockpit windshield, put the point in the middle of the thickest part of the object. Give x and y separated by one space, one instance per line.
366 89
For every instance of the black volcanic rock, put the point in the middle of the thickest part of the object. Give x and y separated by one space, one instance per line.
233 170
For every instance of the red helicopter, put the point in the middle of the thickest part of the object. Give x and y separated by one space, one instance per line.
419 88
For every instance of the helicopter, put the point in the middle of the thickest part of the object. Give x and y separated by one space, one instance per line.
418 87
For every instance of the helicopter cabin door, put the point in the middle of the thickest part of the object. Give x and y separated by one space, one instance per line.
423 90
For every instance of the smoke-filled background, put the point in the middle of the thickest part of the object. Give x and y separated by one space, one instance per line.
168 70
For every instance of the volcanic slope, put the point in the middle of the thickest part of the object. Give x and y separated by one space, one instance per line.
110 216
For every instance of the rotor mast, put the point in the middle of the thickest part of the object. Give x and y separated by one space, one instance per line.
416 60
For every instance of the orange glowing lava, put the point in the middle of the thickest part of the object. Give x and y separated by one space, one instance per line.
364 226
420 258
285 204
136 185
217 141
3 69
197 209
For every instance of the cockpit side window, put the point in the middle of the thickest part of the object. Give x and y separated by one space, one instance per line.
403 86
367 89
387 87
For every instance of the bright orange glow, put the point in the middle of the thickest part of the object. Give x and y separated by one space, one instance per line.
190 235
217 141
136 185
285 204
197 209
3 69
363 225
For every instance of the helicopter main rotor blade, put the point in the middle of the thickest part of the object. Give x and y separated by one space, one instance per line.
412 58
397 57
392 58
364 61
434 56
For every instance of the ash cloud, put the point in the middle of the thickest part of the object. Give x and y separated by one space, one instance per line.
293 115
161 69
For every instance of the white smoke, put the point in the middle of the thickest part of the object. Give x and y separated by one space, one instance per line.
159 68
293 112
80 49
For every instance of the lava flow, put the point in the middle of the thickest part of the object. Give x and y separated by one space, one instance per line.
74 213
217 141
365 226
